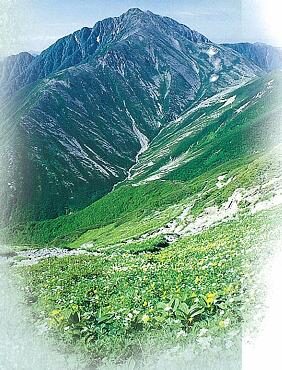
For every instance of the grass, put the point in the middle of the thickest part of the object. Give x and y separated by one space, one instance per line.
131 211
126 204
220 141
112 303
132 292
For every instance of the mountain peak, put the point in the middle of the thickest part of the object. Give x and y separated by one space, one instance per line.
134 11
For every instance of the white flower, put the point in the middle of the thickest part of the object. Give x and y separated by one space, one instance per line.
203 331
181 333
167 308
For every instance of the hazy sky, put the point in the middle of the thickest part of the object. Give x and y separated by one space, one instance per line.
41 22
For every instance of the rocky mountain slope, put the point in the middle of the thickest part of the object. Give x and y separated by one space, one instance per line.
210 165
88 43
264 56
78 115
12 67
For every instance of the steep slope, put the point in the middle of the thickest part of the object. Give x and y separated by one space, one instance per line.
94 100
210 165
221 128
12 67
87 43
264 56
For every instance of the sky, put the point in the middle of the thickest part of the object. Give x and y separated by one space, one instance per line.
41 22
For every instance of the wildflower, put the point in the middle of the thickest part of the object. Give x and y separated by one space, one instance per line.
224 323
197 280
181 333
55 312
145 318
210 298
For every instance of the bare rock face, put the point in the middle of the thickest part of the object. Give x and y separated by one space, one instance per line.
13 66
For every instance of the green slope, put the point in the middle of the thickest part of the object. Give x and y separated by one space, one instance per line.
121 303
180 168
211 180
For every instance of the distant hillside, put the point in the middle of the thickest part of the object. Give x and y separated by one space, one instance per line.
264 56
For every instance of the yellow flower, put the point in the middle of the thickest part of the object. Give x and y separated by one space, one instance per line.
55 312
145 318
210 298
224 323
197 280
145 304
221 323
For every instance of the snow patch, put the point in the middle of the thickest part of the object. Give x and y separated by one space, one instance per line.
171 165
220 181
212 51
229 101
214 78
240 109
168 79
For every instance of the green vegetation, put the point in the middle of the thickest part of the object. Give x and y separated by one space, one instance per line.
125 205
136 287
111 303
210 141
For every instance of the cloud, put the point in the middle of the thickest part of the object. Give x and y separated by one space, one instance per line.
200 13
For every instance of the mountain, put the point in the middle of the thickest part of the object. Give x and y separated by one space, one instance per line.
78 116
13 66
87 43
264 56
216 162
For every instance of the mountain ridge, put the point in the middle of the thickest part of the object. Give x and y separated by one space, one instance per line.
81 45
80 129
263 55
